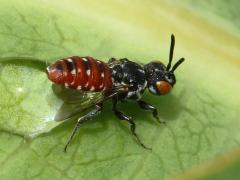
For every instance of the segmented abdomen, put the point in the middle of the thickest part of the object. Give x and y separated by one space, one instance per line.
82 73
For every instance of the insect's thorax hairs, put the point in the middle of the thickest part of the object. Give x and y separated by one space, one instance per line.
125 72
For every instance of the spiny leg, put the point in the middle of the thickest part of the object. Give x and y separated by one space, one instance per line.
82 120
125 117
146 106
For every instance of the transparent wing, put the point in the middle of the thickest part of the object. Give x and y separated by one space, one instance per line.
75 102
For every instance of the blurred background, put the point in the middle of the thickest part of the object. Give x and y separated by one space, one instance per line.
201 137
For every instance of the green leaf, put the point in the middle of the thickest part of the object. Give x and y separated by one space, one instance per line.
28 104
202 112
224 167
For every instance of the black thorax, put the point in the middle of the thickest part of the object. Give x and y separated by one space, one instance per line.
125 72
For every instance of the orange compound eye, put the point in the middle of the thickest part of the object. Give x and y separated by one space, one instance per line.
163 87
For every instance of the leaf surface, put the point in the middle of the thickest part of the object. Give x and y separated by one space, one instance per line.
202 112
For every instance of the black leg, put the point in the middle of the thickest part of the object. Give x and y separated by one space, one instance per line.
82 120
146 106
125 117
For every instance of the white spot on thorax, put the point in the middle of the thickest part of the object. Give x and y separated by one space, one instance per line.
117 84
79 87
132 93
102 74
66 85
141 70
69 60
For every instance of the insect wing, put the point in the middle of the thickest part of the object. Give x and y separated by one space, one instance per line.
75 102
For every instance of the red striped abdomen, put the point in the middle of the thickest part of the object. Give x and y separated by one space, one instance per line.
82 73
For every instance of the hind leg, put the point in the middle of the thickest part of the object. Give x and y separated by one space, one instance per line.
89 116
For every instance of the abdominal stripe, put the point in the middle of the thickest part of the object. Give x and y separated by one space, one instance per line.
86 73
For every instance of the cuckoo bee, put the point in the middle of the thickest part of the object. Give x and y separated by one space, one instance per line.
95 81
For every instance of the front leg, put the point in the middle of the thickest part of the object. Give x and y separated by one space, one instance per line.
127 118
146 106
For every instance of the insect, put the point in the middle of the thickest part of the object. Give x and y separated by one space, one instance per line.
94 82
